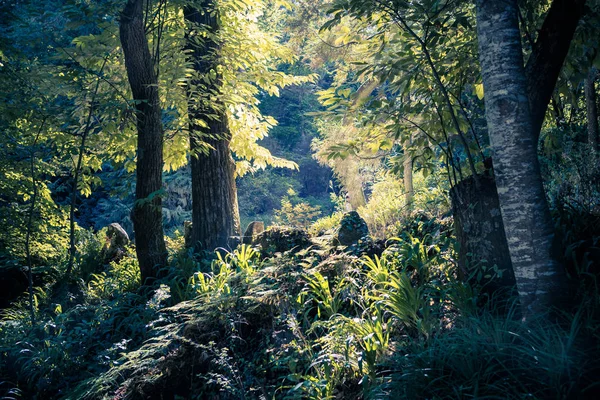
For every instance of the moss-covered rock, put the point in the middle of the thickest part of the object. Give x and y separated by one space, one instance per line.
281 239
367 246
116 241
254 229
351 229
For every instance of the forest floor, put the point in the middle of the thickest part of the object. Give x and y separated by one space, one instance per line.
296 317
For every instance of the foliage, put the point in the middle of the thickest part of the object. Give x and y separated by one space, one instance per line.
398 85
296 213
326 224
120 277
386 212
309 324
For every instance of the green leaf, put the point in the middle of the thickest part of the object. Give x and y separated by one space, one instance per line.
478 88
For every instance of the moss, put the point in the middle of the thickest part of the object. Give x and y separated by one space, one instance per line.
280 239
352 228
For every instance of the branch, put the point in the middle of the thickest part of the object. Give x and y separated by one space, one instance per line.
548 55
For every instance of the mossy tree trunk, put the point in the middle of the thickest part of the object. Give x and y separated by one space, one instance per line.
147 210
215 214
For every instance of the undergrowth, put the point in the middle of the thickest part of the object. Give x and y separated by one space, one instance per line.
315 324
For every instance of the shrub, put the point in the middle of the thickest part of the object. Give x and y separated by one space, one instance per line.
296 213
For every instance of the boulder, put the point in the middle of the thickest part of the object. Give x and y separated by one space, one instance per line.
352 228
116 240
367 246
117 235
254 229
281 239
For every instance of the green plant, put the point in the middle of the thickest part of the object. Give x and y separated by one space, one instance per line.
372 335
215 282
409 304
90 251
318 292
487 356
244 258
378 270
296 213
120 277
326 224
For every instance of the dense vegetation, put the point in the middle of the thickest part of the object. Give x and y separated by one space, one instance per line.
427 173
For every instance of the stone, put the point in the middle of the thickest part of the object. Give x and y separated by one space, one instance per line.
281 239
234 242
116 240
352 228
117 235
254 229
367 246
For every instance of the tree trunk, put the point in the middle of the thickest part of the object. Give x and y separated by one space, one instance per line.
215 214
592 110
548 55
482 243
147 210
525 214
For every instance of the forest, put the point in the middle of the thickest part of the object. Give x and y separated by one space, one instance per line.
299 199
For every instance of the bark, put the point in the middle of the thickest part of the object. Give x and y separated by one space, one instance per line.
525 214
592 109
482 243
548 55
215 214
147 211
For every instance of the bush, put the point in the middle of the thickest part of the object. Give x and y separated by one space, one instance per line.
296 213
326 224
387 214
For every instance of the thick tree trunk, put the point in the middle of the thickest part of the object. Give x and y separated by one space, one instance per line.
548 55
215 214
482 243
592 109
525 214
147 210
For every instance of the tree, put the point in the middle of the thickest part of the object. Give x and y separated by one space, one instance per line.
525 213
215 215
429 102
147 210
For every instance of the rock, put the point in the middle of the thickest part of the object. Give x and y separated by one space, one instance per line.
116 240
367 246
282 239
234 241
117 235
254 229
352 228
